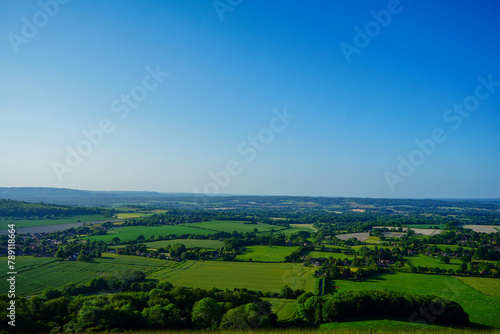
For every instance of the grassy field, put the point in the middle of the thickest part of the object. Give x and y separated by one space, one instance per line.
265 277
266 253
132 232
284 308
189 243
233 226
375 324
488 286
35 274
482 309
328 254
427 261
42 222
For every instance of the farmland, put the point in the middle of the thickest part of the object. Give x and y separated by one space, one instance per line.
132 232
317 254
22 223
488 286
233 226
481 308
35 274
189 243
360 236
265 277
266 253
427 261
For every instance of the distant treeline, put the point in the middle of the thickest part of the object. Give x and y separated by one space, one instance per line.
16 209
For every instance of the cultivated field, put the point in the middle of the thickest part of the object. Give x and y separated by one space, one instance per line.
132 232
488 286
21 223
35 274
482 309
483 228
265 277
233 226
266 253
284 308
189 243
316 254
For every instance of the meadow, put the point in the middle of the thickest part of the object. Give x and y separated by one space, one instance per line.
266 253
284 308
265 277
482 309
59 221
427 261
132 232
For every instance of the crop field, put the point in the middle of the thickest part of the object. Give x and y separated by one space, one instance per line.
427 261
132 232
265 277
189 243
483 228
35 274
43 222
266 253
233 226
284 308
482 309
488 286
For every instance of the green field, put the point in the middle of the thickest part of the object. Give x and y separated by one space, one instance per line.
233 226
488 286
427 261
189 243
375 324
132 232
482 309
284 308
266 253
35 274
265 277
328 254
42 222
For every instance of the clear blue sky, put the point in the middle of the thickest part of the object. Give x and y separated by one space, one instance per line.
353 119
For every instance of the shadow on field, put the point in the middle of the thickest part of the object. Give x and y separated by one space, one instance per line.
380 277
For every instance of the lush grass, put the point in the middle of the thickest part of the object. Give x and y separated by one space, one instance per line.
132 232
373 240
284 308
375 324
233 226
266 253
489 286
189 243
42 222
482 309
427 261
35 274
265 277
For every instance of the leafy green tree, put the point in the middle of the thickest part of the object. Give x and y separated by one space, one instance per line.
207 313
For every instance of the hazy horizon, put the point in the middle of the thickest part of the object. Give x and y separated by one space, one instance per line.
394 99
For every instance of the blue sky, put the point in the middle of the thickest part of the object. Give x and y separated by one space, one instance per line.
354 118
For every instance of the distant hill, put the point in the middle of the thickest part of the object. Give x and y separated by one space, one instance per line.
80 197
